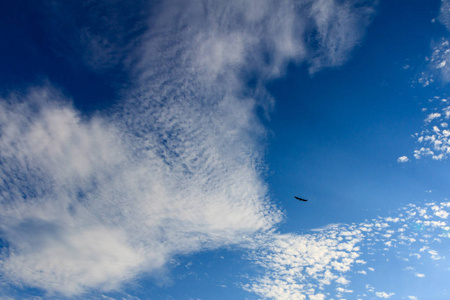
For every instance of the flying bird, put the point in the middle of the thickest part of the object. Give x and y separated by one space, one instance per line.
300 198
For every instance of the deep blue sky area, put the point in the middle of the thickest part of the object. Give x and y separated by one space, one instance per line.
337 133
141 156
40 46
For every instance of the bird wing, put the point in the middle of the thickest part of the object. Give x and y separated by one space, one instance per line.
300 198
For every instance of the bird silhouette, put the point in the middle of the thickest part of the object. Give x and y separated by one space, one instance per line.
300 198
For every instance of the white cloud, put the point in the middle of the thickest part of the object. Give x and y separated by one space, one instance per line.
438 68
432 116
360 261
369 288
294 264
417 255
441 214
84 207
434 255
384 295
436 141
342 280
342 290
434 223
91 257
444 14
338 39
394 220
403 159
55 166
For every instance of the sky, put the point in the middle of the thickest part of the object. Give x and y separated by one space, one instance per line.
153 149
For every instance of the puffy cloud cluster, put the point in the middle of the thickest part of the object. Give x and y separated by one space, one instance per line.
438 67
325 262
301 265
435 138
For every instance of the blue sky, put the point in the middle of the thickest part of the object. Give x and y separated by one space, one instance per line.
151 150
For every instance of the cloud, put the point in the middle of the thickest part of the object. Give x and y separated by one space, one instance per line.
83 207
330 259
342 280
338 29
403 159
432 116
444 13
435 136
55 167
80 194
298 265
177 167
437 64
384 295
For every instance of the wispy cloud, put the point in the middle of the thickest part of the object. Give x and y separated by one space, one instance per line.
338 30
444 13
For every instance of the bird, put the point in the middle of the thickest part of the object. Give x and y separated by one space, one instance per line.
300 198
